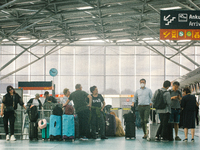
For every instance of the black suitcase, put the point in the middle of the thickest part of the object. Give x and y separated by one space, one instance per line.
33 131
129 122
33 114
110 125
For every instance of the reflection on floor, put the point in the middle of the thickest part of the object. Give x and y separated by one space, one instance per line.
114 143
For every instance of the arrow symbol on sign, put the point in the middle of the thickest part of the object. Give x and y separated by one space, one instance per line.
166 18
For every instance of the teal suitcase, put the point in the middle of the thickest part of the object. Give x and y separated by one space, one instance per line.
45 132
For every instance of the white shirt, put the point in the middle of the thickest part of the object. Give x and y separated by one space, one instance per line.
35 103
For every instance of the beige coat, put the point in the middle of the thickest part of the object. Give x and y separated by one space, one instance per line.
119 129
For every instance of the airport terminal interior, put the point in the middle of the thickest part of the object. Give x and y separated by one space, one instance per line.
111 44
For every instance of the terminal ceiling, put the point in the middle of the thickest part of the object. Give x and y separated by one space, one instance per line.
28 23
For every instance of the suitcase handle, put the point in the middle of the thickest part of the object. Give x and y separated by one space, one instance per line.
55 124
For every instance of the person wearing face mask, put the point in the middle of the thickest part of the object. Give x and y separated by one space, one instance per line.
144 96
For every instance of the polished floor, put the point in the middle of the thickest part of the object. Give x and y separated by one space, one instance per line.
115 143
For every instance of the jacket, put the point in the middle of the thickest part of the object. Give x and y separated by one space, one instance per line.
31 101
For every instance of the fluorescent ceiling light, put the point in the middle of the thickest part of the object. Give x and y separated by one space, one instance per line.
153 41
83 8
93 41
5 40
125 40
183 40
145 39
171 8
29 41
117 30
91 38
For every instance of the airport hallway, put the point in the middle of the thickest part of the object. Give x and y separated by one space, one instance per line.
114 143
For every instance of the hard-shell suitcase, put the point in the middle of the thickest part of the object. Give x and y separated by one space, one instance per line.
110 125
55 130
45 132
33 130
68 127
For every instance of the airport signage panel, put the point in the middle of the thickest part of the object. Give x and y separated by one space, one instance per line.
179 25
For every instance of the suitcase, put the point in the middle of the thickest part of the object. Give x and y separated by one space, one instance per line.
68 127
33 114
55 127
110 125
33 131
45 132
129 122
152 128
69 110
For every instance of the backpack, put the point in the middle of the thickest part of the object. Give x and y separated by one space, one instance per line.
57 110
69 110
159 100
33 114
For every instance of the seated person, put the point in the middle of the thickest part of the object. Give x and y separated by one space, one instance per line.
119 129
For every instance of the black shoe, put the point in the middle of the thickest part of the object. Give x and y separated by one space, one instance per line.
94 137
104 137
157 139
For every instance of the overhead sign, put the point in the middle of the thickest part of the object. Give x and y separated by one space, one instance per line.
35 85
179 25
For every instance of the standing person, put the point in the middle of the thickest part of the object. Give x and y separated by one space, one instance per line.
8 107
81 108
97 113
66 92
188 104
35 102
46 95
176 97
144 96
163 113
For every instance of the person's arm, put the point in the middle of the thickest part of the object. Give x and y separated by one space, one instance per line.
150 97
2 105
90 101
66 103
168 98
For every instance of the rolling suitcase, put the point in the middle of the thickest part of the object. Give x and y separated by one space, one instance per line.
110 125
55 128
68 127
33 131
33 114
152 128
129 122
45 132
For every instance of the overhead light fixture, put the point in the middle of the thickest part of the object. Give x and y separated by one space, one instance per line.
117 30
125 40
83 8
179 41
146 39
91 38
153 41
171 8
5 40
93 41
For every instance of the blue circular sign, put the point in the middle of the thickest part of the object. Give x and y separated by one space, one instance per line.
53 72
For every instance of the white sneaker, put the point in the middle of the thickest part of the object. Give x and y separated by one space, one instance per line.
7 137
12 138
128 138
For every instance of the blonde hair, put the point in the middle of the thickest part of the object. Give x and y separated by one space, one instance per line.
113 113
65 90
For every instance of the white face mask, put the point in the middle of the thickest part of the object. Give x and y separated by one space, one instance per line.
142 85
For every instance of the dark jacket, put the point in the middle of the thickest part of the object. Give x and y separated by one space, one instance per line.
188 103
8 100
31 101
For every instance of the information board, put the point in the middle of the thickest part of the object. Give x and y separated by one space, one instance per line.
179 25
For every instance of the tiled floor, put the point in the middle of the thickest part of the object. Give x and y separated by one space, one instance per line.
117 143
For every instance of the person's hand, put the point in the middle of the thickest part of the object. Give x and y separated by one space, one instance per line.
132 105
174 97
89 107
1 114
31 106
102 109
150 104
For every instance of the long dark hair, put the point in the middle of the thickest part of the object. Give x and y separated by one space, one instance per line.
8 89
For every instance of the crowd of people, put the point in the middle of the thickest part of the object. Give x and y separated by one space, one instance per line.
89 109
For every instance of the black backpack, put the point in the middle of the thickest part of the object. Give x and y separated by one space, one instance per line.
57 111
159 100
33 114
